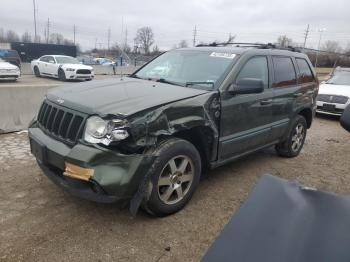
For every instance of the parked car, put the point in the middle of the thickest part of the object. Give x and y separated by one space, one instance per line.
103 61
149 138
339 69
334 94
61 67
10 56
9 71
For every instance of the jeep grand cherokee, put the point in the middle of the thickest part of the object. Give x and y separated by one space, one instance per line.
147 138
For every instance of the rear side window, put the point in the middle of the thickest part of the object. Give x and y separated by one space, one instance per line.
44 59
256 68
306 75
284 72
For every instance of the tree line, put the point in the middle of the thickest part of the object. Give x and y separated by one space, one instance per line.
54 38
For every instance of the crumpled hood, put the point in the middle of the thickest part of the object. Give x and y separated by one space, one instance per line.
118 96
329 89
6 65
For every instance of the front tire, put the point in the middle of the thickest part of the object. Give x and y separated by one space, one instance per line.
292 146
175 176
61 75
37 72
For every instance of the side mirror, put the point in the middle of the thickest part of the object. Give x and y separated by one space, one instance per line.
247 86
345 119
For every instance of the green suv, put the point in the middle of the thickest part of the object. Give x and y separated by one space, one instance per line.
148 138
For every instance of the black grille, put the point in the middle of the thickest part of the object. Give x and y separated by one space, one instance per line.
333 99
84 71
60 122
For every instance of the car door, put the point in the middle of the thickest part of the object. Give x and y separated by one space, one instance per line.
286 90
51 66
246 119
43 64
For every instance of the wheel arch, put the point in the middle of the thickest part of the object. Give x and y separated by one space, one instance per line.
202 137
307 114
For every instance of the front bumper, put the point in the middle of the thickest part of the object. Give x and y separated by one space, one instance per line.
9 75
74 75
116 176
337 109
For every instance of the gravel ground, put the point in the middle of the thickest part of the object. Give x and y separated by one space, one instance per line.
39 222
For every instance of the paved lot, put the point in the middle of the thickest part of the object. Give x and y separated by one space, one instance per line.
39 222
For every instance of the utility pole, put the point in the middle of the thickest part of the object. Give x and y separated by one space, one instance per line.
74 31
35 35
306 34
48 30
108 38
194 35
95 43
319 45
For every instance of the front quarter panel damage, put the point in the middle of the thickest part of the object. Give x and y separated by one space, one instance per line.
200 113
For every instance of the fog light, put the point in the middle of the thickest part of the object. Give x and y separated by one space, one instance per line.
119 134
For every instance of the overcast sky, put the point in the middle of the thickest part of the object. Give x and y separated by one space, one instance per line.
174 20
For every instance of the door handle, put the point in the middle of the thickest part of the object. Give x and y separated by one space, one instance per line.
266 102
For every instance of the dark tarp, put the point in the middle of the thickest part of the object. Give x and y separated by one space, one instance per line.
283 221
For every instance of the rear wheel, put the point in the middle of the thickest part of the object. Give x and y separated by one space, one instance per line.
292 146
37 72
174 179
61 75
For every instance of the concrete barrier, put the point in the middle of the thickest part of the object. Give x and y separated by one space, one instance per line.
99 69
19 105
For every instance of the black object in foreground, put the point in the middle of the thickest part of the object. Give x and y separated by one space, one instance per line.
284 221
345 119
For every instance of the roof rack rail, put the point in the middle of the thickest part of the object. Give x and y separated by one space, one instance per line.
256 45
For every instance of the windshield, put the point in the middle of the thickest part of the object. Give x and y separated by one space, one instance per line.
66 60
341 78
198 69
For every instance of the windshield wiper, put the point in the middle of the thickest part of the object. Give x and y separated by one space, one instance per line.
163 80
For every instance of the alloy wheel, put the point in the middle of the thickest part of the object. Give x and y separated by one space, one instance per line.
175 179
298 137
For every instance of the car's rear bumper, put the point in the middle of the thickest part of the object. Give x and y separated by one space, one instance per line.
115 176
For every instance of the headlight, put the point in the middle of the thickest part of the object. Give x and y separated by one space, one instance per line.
70 69
98 130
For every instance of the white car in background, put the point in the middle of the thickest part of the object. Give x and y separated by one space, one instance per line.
61 67
9 71
334 94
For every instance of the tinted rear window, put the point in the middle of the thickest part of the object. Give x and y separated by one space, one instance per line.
306 75
284 72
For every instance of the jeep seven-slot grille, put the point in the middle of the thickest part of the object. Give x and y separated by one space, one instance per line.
332 99
60 122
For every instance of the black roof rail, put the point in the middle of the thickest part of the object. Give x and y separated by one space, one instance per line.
256 45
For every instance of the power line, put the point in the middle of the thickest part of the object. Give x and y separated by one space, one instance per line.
306 34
